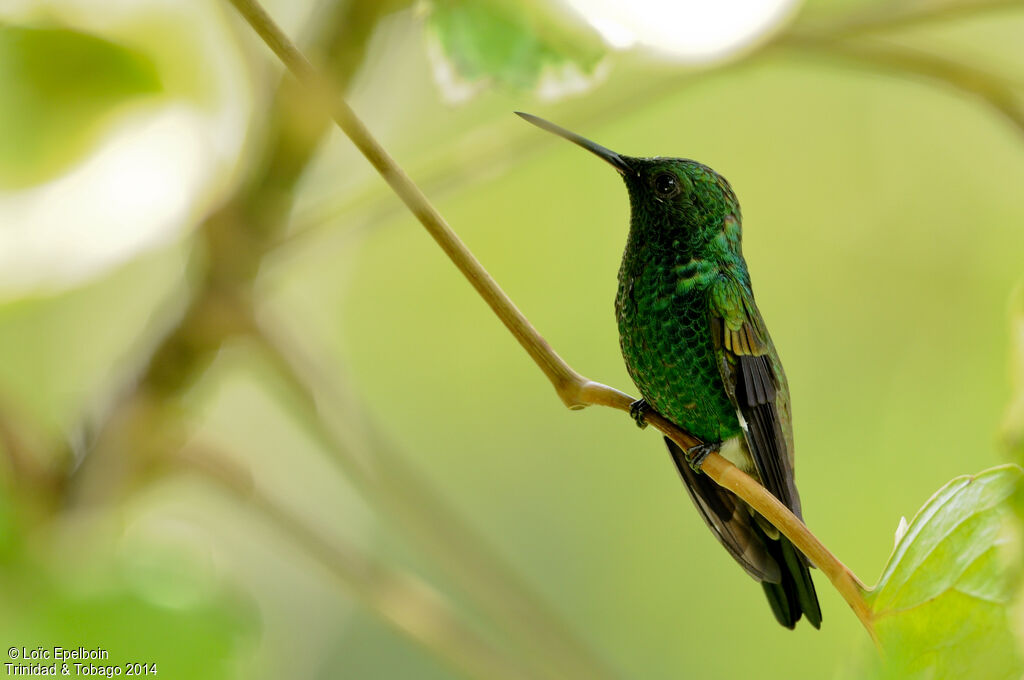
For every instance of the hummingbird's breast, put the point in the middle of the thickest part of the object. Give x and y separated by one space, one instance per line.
663 310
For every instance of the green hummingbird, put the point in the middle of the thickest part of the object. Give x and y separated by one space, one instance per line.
698 350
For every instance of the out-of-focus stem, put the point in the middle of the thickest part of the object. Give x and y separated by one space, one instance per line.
891 58
391 486
400 599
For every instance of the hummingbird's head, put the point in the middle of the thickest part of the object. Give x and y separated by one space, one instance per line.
681 202
677 202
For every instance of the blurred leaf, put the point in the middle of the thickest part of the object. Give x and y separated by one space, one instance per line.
941 605
202 642
56 86
510 44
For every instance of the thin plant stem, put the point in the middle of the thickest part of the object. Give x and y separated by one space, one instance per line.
567 381
575 390
398 598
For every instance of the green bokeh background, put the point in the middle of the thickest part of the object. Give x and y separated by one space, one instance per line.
882 225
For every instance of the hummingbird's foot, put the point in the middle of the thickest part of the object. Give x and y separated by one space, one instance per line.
638 411
695 455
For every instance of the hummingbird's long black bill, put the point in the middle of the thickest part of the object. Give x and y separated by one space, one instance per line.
616 161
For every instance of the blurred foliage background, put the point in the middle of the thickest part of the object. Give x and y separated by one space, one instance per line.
255 425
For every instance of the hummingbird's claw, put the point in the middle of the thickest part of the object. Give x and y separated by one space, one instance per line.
695 455
638 411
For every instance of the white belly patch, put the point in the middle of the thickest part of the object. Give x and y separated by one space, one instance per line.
734 450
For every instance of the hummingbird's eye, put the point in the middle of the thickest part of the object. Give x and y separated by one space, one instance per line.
666 184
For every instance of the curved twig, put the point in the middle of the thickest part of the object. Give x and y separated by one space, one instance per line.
575 390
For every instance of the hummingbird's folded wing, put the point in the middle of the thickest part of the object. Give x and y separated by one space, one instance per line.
756 385
753 378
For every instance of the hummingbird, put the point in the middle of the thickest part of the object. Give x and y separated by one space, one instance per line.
698 350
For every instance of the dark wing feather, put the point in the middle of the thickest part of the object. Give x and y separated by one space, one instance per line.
755 399
728 518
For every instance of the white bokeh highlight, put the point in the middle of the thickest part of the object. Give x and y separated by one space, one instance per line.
131 194
695 31
158 166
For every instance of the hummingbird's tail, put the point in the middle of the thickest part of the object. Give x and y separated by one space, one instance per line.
795 593
774 562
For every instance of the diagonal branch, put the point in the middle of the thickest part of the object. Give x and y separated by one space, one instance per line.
574 389
568 383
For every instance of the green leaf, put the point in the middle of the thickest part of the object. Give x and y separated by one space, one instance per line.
204 641
513 44
941 607
57 87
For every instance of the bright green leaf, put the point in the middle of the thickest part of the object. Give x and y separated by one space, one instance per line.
56 88
941 607
513 44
